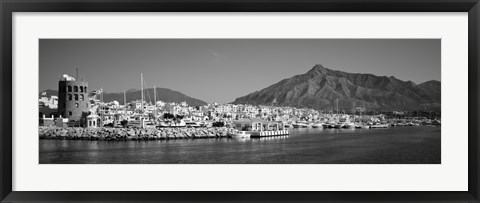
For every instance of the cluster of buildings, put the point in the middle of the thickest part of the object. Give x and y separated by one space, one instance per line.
75 106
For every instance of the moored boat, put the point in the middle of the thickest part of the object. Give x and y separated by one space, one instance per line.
317 125
299 125
349 125
239 134
362 126
340 125
379 126
365 127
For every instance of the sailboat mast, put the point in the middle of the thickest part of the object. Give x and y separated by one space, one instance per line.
337 111
101 107
125 103
337 106
361 111
354 110
141 89
155 104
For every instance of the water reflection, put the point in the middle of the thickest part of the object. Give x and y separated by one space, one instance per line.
393 145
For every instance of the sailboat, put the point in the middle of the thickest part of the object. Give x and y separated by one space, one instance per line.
348 122
339 124
124 116
155 104
362 125
142 119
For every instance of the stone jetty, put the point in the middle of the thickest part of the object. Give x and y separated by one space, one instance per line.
105 133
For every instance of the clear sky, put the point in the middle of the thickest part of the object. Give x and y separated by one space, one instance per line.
220 70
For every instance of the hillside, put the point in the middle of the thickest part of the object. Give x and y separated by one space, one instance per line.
320 88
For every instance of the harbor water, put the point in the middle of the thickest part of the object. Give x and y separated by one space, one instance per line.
395 145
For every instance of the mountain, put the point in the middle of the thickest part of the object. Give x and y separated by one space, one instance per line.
432 87
320 88
163 94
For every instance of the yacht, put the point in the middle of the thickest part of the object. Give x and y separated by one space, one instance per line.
330 124
349 125
239 134
340 125
317 125
362 126
379 125
299 125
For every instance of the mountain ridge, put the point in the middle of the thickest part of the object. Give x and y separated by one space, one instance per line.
319 87
163 94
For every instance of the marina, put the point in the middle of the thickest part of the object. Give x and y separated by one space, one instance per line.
83 110
153 109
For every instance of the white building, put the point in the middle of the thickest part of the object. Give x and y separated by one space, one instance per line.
50 102
160 104
92 121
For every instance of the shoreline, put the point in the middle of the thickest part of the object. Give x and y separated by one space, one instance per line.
122 134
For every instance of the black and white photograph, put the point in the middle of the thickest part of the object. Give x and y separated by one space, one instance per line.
239 101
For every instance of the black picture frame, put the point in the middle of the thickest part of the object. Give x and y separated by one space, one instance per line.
10 6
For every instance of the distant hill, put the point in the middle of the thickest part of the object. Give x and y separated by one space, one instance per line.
320 88
432 88
163 94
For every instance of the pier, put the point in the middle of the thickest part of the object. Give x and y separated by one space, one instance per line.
104 133
272 133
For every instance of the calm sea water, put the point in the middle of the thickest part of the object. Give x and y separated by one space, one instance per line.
400 145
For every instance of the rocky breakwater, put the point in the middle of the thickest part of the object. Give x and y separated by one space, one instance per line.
131 133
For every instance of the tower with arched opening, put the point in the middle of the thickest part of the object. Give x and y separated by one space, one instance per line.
72 98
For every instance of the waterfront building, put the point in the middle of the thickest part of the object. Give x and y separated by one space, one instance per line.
250 124
175 109
150 108
72 98
46 110
255 124
47 121
160 104
61 122
92 121
183 104
138 104
48 106
115 104
51 102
